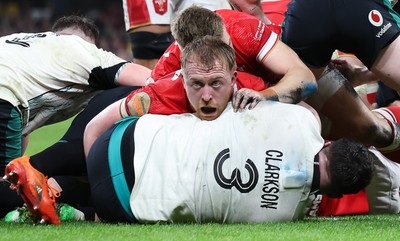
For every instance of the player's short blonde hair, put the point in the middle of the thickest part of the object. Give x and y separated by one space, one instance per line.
196 22
207 50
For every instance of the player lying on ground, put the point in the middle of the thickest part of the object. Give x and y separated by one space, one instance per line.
215 176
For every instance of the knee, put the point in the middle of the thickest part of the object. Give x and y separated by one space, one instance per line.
376 133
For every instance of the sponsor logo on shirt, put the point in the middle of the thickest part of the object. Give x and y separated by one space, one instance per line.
376 19
383 30
260 31
160 6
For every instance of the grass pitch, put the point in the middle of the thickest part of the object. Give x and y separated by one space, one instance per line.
377 227
365 227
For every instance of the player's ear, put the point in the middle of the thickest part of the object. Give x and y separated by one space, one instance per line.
234 77
327 143
183 82
182 76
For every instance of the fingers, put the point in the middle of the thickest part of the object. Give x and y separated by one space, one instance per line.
244 102
338 61
245 97
254 103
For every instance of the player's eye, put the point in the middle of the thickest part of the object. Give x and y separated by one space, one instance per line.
197 85
216 84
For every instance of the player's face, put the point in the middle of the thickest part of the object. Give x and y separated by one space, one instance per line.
209 89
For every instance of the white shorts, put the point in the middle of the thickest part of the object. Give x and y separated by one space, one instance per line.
383 191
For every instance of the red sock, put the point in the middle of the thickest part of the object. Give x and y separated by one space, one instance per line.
392 115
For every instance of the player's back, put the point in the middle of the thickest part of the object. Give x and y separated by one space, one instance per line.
255 166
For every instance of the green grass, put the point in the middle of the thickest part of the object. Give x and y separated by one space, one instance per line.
46 136
381 227
365 227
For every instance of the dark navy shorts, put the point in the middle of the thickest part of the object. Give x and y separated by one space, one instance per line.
315 28
111 173
147 45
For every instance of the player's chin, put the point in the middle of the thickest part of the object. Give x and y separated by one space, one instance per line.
208 113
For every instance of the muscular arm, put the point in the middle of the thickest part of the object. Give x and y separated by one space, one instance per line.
132 74
297 81
100 123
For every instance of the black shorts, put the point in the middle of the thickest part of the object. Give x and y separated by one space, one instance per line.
111 172
72 161
385 95
147 45
315 28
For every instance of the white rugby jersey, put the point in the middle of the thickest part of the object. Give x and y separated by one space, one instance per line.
51 77
255 166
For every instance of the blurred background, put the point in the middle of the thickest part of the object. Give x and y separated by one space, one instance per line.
39 16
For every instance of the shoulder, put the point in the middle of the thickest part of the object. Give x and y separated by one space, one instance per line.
233 16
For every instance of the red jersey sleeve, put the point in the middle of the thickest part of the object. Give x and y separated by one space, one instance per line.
249 81
252 40
167 96
169 62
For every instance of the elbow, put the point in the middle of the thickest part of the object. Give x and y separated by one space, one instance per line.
309 89
303 92
310 85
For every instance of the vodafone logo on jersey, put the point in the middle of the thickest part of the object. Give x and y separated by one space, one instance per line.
160 6
375 18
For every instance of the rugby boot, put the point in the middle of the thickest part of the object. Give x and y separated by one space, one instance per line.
32 186
65 212
19 215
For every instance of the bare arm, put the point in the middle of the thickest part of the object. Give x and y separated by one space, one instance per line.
100 123
25 142
132 74
297 82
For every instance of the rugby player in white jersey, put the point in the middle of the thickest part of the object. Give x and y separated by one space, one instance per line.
50 76
215 165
